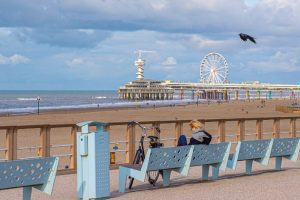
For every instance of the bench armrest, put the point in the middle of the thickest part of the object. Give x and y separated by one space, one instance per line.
48 186
185 169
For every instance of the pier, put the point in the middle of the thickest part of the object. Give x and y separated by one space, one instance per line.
142 89
213 85
146 90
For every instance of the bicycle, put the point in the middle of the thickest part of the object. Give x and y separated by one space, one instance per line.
140 153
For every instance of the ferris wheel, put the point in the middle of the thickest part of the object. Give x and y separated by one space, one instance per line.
214 69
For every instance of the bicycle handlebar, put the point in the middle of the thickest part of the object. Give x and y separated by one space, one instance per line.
143 127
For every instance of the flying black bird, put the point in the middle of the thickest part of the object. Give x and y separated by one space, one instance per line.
245 37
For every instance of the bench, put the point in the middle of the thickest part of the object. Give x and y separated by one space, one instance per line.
249 151
165 159
285 147
37 172
214 155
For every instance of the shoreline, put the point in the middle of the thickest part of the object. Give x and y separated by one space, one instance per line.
121 105
187 111
106 106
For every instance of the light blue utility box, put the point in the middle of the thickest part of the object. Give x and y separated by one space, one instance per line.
93 161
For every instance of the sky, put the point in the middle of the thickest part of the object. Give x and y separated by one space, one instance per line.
91 44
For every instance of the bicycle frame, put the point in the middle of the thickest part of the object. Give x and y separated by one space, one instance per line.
141 148
141 143
140 153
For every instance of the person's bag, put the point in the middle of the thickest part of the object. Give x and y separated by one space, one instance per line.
182 141
207 140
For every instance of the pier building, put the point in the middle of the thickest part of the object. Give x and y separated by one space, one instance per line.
142 89
146 90
213 85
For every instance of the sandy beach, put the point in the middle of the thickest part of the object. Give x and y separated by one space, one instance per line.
231 109
230 181
224 110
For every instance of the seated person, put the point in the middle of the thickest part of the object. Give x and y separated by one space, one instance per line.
199 135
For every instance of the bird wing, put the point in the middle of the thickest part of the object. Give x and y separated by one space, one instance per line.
251 39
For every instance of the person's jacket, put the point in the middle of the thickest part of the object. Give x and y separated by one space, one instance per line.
200 136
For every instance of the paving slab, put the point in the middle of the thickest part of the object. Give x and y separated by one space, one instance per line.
265 183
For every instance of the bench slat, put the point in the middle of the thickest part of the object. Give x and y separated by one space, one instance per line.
253 149
208 154
284 146
20 173
167 158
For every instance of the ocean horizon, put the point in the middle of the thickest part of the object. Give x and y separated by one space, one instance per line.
26 101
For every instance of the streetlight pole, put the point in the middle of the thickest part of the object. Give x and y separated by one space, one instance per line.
38 101
198 95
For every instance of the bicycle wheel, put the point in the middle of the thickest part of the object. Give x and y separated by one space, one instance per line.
153 176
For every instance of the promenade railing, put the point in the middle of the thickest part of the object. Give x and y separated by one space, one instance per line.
19 142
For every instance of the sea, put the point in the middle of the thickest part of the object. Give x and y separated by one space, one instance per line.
26 102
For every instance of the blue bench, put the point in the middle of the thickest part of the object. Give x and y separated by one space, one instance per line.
285 147
166 159
249 151
214 155
38 173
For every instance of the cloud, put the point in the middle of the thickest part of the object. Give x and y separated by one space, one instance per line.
206 43
85 67
252 3
92 38
169 61
279 62
13 60
75 62
158 15
89 65
4 32
74 38
82 24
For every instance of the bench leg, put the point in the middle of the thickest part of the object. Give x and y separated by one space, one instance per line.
205 171
249 166
122 181
27 193
278 162
166 177
215 173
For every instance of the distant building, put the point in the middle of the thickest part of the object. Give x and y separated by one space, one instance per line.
145 90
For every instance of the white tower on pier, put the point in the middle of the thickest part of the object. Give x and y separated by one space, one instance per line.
139 63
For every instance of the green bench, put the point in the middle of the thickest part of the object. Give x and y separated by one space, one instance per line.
37 172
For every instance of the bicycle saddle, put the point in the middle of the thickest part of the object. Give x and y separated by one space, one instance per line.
152 137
